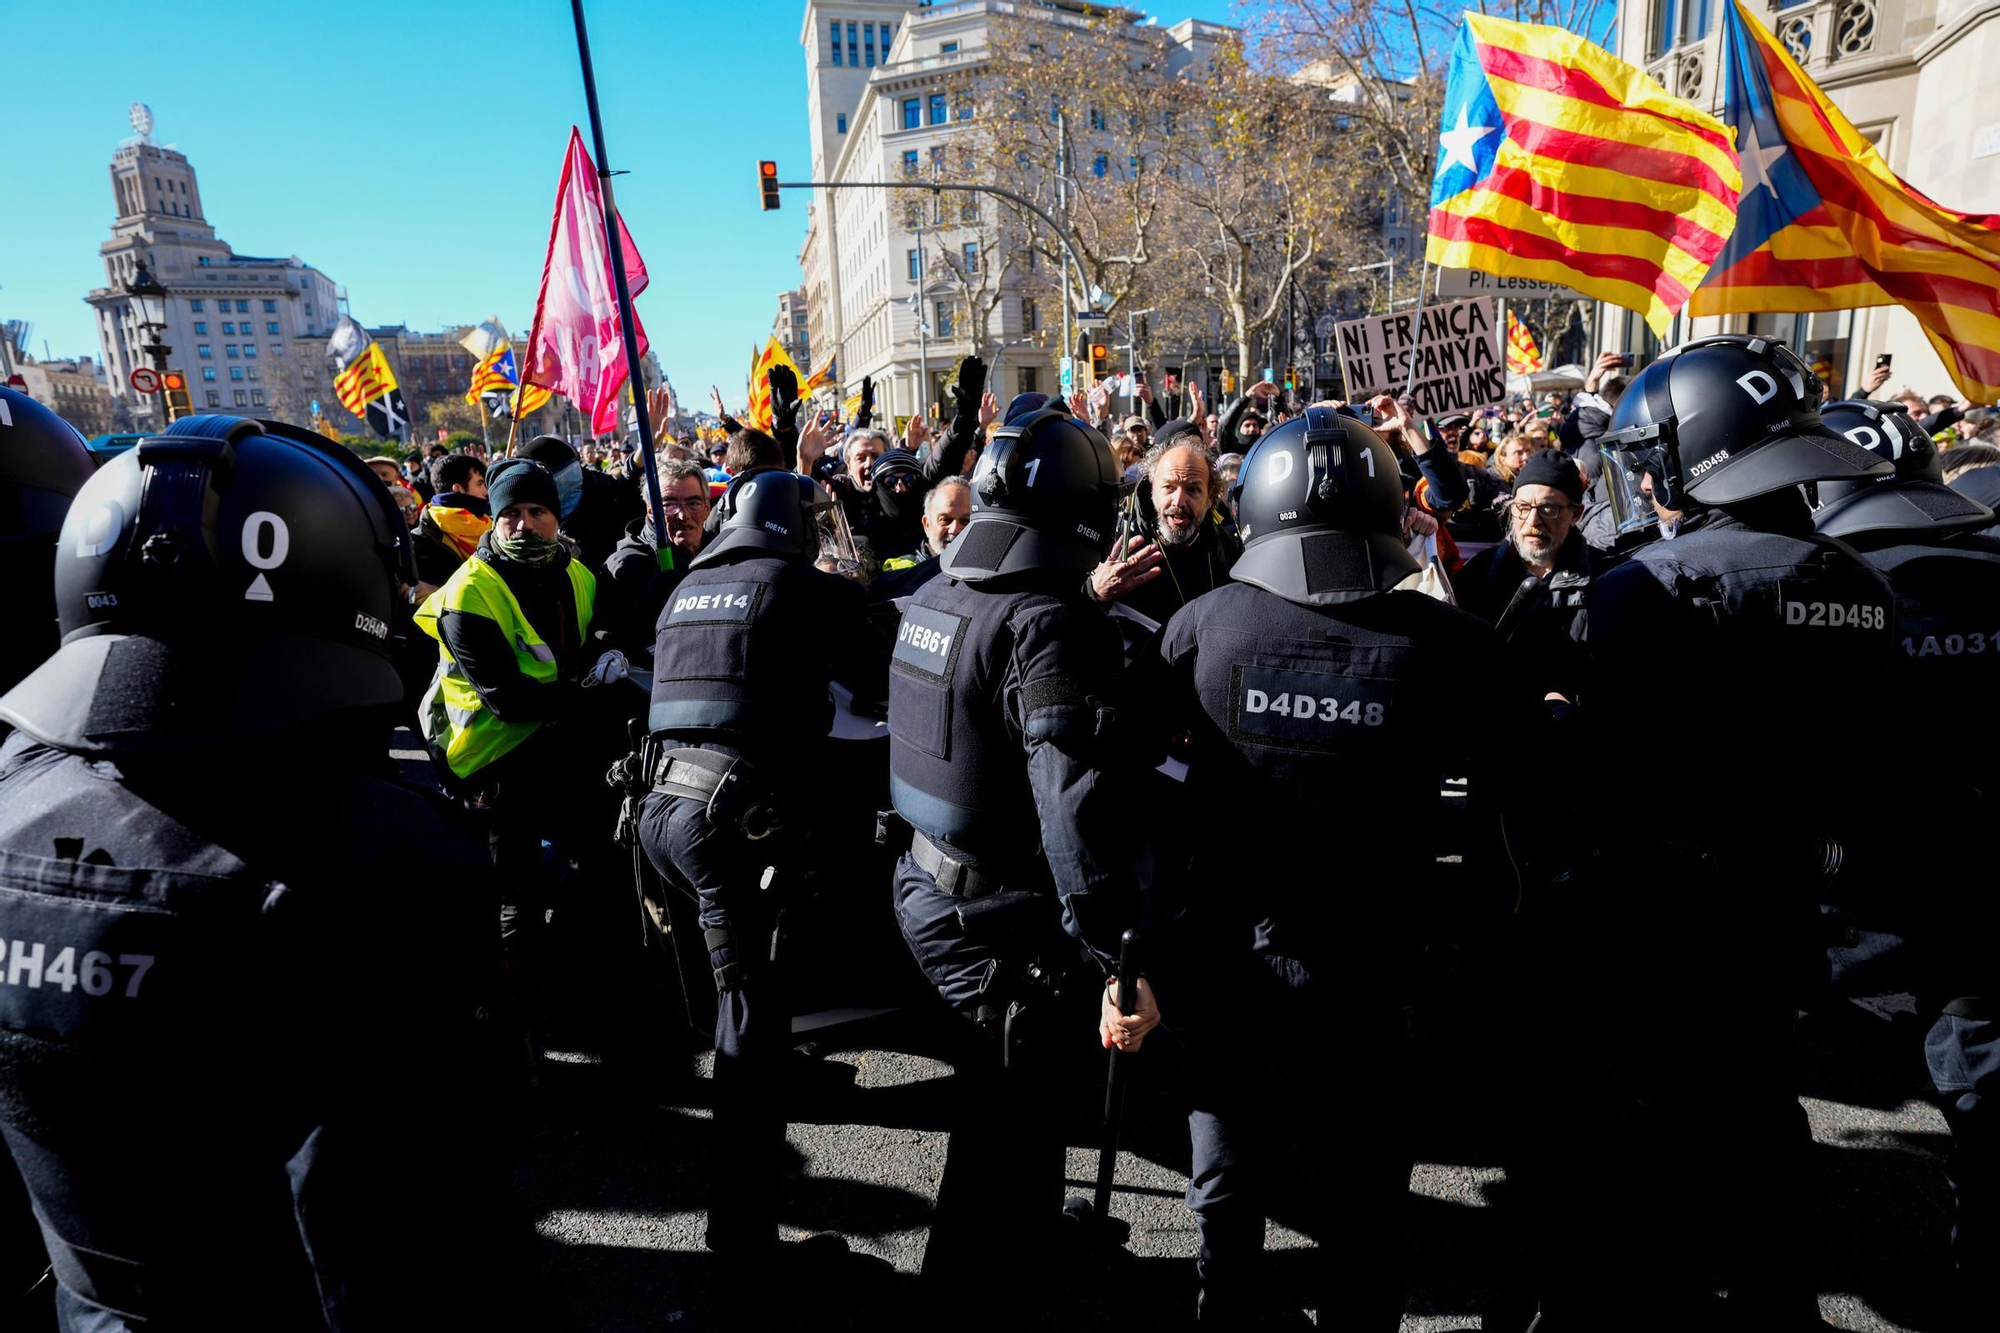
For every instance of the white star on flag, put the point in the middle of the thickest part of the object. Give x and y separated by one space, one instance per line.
1459 143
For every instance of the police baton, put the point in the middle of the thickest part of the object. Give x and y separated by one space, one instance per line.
1098 1212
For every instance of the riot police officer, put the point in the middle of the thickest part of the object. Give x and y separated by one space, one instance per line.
1699 936
1000 726
747 646
43 462
180 938
1925 538
1310 683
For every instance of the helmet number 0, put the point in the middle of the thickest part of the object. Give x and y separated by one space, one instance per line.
255 541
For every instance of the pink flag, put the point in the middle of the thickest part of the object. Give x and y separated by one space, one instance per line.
577 347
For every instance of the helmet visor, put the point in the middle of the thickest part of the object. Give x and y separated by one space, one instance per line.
1630 472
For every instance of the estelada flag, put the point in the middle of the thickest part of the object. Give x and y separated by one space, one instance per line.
1825 225
1559 161
1524 357
761 365
366 379
821 378
577 347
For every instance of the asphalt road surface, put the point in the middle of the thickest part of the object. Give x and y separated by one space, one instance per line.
614 1161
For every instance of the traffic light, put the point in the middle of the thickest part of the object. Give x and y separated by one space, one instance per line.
174 388
1100 360
767 181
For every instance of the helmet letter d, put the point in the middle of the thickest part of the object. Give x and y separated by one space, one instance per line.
1760 385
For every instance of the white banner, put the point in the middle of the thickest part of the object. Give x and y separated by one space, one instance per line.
1456 352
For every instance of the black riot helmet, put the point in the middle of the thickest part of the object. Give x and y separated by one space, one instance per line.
223 580
1044 496
1723 419
43 463
1319 503
768 511
1915 499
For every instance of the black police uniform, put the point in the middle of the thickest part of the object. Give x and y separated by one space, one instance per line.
1930 926
1312 689
1698 936
1000 736
193 1039
746 649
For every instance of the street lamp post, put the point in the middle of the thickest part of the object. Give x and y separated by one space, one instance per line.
149 299
1390 264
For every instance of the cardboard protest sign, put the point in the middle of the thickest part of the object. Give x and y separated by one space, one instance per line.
1456 349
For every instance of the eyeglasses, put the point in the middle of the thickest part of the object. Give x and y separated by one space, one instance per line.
676 505
1548 509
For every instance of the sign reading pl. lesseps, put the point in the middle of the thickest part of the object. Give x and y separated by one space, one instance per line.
1472 282
1456 351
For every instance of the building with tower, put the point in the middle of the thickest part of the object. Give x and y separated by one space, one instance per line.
249 331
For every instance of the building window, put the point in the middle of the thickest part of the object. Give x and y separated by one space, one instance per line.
840 123
1132 165
214 398
271 328
913 214
1031 315
888 38
868 33
277 349
1031 377
969 252
270 307
1096 118
1100 165
937 109
250 350
229 350
947 48
208 373
204 350
916 265
236 373
942 328
836 41
853 47
242 398
1055 109
910 162
911 106
229 327
203 263
242 307
201 326
253 372
195 306
968 208
256 398
963 108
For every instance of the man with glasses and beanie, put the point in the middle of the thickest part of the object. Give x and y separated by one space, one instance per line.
1534 587
642 573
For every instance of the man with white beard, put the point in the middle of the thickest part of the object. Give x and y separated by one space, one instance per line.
1534 587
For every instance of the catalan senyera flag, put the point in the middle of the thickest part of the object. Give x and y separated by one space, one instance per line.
1559 161
1825 225
821 378
1524 355
761 365
528 401
366 379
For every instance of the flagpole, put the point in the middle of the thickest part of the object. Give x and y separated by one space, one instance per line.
1410 383
634 369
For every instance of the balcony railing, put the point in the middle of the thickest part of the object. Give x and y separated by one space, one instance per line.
1818 34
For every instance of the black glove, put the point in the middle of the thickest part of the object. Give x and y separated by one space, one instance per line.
971 387
866 411
784 402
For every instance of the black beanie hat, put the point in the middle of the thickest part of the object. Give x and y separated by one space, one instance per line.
520 481
894 460
1549 467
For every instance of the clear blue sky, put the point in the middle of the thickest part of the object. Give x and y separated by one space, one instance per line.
411 150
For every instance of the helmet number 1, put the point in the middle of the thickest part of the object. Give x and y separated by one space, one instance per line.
1034 466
